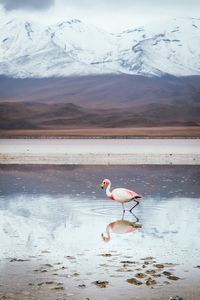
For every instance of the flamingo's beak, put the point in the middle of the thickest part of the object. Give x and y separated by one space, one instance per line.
102 185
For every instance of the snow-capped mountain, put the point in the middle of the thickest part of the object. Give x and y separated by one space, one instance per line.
170 46
29 49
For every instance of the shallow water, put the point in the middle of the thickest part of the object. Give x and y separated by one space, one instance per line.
51 213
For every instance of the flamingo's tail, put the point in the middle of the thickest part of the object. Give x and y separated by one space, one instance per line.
138 196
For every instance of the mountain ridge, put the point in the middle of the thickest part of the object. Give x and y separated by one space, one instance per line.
73 48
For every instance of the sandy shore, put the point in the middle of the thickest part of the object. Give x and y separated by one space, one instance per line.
130 132
100 151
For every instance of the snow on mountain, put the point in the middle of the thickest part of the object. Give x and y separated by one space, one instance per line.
172 47
29 49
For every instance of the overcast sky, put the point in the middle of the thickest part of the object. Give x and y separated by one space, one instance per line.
112 15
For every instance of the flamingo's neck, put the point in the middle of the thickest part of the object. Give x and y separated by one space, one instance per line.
108 233
106 238
108 191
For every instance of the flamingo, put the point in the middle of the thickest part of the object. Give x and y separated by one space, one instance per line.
121 195
120 226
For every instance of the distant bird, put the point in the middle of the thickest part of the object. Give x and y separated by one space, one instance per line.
121 195
120 226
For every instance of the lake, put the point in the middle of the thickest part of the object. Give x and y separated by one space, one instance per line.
52 219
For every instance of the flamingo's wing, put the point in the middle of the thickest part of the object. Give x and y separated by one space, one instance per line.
134 194
124 195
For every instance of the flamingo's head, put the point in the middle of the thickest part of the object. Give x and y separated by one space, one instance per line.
105 238
105 182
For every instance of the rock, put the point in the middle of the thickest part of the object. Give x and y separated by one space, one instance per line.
159 266
166 273
59 283
127 262
144 266
198 267
125 265
156 275
58 288
148 258
70 257
134 281
150 272
173 277
140 275
49 282
123 270
169 265
106 254
101 284
63 268
82 285
19 260
48 265
40 284
150 281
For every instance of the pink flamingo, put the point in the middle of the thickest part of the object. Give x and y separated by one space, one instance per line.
120 226
121 195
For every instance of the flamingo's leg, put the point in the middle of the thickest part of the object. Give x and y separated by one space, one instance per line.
137 202
123 208
137 219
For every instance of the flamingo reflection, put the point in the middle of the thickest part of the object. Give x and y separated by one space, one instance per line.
121 226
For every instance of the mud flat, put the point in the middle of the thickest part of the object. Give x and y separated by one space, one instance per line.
100 151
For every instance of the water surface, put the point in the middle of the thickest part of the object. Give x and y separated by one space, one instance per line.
57 214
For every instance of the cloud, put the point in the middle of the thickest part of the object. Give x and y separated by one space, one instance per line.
26 4
111 15
127 4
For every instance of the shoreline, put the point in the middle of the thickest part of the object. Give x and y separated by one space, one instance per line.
100 151
101 159
105 133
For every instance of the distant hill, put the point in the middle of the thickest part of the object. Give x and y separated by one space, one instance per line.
99 101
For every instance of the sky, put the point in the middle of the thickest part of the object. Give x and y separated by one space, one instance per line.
111 15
